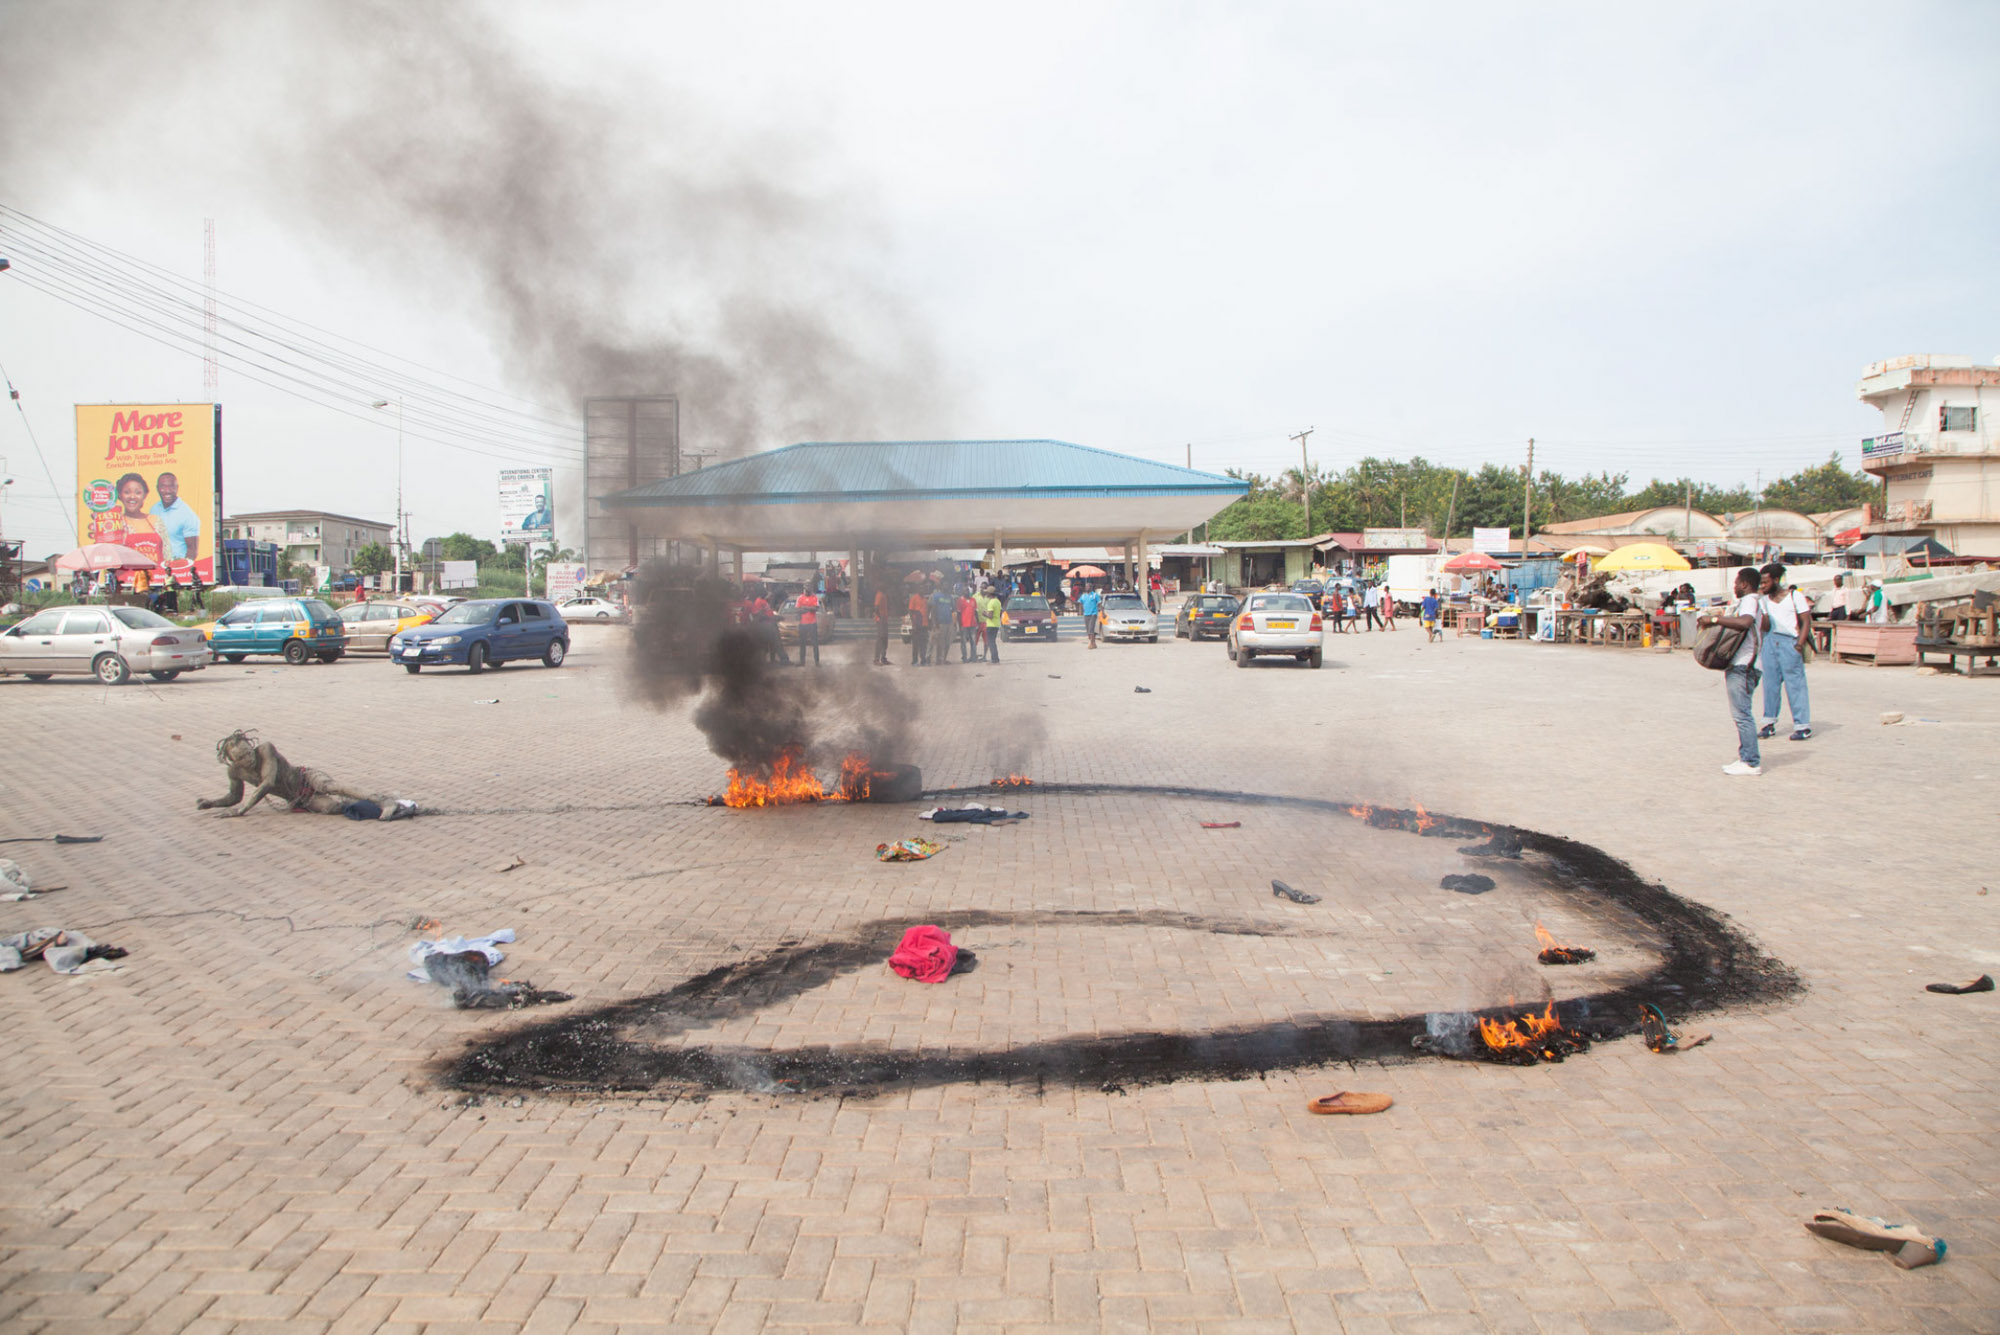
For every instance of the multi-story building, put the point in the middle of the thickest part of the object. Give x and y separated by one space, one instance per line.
310 537
1938 454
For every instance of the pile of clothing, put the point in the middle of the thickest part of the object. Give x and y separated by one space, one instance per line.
465 965
65 952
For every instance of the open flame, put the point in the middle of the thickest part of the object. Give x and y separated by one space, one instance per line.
792 780
1552 953
1014 781
1531 1038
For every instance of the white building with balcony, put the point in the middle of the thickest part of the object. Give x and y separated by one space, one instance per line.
310 537
1937 454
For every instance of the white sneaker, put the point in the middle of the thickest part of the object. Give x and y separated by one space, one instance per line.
1738 767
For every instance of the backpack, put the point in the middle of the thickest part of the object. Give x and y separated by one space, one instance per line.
1716 647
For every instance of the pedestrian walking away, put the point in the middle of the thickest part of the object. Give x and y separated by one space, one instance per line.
1427 616
881 626
968 627
944 613
1783 662
920 638
992 613
1371 603
1747 614
808 625
1088 605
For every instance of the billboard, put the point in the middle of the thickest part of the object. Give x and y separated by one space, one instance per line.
565 580
1882 447
1492 541
527 505
145 479
1381 539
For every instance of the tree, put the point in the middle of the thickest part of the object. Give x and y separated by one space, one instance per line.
464 547
373 559
1827 487
1714 500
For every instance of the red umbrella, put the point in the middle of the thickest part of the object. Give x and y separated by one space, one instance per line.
105 556
1458 565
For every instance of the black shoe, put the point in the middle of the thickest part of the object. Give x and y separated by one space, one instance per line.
1802 735
1768 730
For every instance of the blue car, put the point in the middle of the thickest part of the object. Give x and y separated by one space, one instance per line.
488 630
298 628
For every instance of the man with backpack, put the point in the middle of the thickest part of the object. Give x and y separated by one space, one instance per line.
1734 653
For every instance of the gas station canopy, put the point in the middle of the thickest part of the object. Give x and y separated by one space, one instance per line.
905 494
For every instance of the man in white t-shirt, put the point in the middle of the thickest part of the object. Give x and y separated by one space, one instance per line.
1745 614
1784 669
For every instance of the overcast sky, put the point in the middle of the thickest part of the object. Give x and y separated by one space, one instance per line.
1659 239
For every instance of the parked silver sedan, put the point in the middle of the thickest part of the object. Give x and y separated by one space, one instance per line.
1277 623
1124 616
110 642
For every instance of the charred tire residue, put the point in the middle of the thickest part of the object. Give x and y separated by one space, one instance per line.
1706 962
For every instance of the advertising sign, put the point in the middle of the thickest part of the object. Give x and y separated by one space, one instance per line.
1492 541
1383 539
565 579
1882 447
527 505
458 574
145 479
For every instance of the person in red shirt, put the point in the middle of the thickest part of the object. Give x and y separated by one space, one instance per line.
808 625
920 621
968 636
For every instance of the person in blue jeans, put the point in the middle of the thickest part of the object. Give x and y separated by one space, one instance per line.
1740 679
1784 670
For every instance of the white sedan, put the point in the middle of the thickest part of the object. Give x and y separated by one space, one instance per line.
592 609
1124 616
1277 623
110 643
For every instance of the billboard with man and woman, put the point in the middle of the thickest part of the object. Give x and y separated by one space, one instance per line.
146 480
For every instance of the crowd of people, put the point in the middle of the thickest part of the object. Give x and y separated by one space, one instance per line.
966 614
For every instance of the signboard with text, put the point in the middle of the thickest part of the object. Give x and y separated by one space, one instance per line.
1882 447
145 479
565 579
1492 541
527 505
1382 539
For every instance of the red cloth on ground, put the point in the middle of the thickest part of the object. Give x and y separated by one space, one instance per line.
925 954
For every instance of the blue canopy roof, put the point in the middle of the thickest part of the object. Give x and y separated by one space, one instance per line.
818 471
939 494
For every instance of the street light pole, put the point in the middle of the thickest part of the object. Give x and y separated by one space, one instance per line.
402 538
1305 482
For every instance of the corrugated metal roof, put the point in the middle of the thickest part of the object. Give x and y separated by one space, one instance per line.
920 469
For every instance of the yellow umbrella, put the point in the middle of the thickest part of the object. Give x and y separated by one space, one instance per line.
1585 550
1643 556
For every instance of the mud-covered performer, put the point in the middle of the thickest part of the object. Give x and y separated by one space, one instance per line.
258 767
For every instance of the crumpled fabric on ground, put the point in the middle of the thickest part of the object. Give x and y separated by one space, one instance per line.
65 952
467 974
363 809
489 946
971 814
13 878
925 954
907 850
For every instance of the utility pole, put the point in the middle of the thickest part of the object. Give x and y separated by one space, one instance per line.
211 377
1305 480
1452 513
1527 495
1687 516
1190 448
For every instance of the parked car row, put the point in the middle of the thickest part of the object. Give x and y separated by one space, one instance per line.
114 642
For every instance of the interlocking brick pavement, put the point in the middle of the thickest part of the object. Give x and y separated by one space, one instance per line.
242 1128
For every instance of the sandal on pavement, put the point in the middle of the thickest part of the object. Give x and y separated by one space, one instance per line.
1983 983
1909 1248
1346 1102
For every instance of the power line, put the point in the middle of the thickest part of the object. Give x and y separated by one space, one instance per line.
15 395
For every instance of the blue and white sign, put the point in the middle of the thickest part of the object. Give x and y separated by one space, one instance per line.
1882 447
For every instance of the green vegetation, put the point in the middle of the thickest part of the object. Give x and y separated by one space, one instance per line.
1393 493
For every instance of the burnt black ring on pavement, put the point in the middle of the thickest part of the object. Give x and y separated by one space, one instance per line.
1705 962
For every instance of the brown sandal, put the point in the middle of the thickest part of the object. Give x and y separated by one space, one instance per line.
1345 1102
